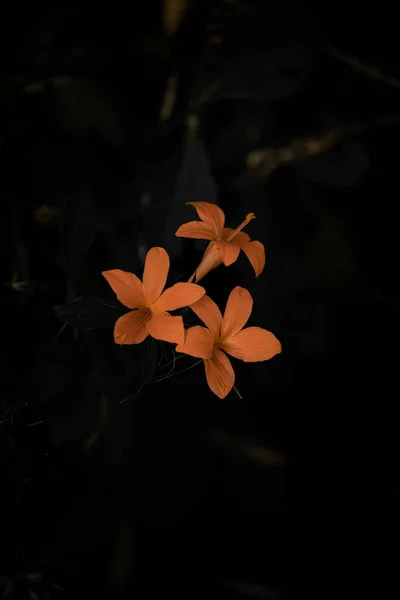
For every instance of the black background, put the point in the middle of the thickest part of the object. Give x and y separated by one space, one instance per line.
292 491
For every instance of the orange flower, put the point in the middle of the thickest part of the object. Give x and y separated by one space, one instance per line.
226 333
225 243
149 303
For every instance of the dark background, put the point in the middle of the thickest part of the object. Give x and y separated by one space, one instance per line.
110 120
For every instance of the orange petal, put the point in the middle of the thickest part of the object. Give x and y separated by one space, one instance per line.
237 312
131 328
239 239
255 252
163 326
127 287
209 313
179 295
210 214
220 374
155 274
199 343
228 252
253 344
211 259
196 230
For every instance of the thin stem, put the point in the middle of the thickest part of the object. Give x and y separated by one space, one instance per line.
158 379
176 373
237 393
174 360
368 70
247 220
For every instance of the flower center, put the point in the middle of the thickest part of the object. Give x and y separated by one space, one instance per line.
247 220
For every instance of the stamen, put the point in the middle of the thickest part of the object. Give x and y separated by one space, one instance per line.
249 217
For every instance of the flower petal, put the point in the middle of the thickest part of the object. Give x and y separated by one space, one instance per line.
209 313
211 214
179 295
127 287
219 373
228 252
199 342
163 326
131 327
255 252
198 230
155 274
239 239
237 312
210 261
252 344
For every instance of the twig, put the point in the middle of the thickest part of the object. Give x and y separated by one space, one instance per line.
266 160
169 98
38 86
368 70
254 452
170 374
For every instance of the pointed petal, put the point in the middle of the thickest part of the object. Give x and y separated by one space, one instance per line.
237 312
228 252
253 344
219 373
239 239
196 230
199 343
209 313
255 252
127 287
210 214
210 261
179 295
155 274
131 328
163 326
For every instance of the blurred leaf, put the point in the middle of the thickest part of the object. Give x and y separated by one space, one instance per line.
98 426
58 367
271 76
195 183
89 313
81 418
343 165
80 230
7 585
245 589
172 15
87 105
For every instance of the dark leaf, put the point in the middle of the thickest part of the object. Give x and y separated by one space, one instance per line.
195 183
80 230
89 313
87 105
155 203
82 420
271 76
343 165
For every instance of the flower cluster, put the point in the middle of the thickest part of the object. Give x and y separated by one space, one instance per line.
150 303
